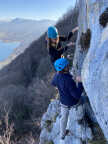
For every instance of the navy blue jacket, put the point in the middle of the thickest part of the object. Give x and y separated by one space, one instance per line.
54 52
69 93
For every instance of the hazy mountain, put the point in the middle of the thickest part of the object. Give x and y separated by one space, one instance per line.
23 30
19 29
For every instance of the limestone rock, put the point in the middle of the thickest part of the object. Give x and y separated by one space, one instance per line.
77 134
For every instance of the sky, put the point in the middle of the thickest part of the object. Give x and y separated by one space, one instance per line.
34 9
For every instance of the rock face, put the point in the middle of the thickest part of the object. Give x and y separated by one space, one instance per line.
50 126
95 67
94 16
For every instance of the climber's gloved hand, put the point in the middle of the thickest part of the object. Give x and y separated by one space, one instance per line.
70 44
78 79
75 29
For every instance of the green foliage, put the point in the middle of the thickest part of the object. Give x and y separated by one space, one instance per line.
55 117
98 136
98 142
49 142
48 125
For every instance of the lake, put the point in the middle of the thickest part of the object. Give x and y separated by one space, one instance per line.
7 48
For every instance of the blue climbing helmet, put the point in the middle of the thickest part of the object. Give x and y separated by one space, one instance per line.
60 64
52 32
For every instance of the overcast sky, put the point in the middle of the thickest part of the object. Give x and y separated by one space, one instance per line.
34 9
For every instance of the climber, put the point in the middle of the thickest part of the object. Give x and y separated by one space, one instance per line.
69 93
54 45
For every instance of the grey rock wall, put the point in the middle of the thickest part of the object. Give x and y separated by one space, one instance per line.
50 126
95 67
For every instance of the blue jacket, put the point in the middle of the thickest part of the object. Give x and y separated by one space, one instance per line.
69 93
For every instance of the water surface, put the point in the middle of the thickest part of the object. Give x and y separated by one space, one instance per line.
7 48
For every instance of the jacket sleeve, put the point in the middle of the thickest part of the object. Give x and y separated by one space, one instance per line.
63 38
74 90
80 88
66 38
63 50
69 35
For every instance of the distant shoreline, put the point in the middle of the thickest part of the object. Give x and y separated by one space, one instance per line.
10 47
9 41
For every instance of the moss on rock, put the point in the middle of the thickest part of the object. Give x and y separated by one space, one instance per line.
103 20
85 39
48 125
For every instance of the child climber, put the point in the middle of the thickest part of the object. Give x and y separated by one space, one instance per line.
69 93
54 45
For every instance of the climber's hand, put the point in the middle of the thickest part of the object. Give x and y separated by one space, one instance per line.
78 79
70 44
75 29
